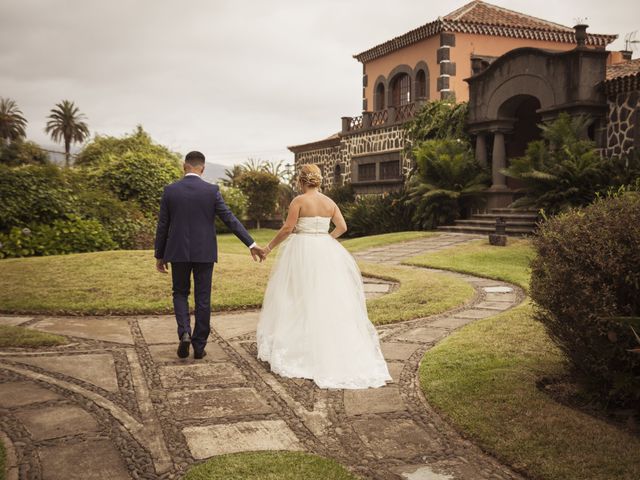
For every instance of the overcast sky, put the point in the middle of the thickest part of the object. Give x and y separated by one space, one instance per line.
234 79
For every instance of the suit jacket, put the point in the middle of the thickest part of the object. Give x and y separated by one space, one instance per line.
186 225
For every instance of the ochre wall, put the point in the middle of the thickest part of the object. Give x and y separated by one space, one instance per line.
466 44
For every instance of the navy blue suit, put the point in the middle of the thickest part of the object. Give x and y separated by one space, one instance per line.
186 238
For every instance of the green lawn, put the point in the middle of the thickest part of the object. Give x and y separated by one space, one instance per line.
11 336
269 466
125 282
363 243
510 263
483 378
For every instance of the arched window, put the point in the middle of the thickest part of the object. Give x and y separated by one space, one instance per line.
421 84
379 100
337 175
401 90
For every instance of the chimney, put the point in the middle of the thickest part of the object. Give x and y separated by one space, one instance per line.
581 34
626 55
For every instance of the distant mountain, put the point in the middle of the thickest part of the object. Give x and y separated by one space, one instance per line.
214 171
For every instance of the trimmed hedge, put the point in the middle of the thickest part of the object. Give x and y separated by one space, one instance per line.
586 283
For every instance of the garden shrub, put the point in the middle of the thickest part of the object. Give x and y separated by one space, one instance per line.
237 203
33 194
261 190
22 152
375 214
74 235
139 177
343 195
586 283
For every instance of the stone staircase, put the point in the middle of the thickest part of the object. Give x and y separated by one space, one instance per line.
518 222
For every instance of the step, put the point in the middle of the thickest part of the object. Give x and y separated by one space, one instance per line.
512 210
506 216
484 230
492 223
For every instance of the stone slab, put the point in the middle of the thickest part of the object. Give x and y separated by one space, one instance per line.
450 322
395 369
497 289
217 403
394 438
207 441
420 472
489 305
18 394
397 350
90 460
474 314
160 329
423 334
13 321
501 297
376 287
105 329
96 369
58 421
200 375
233 325
166 353
373 400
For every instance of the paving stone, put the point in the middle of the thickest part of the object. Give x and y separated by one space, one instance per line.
420 472
199 375
376 287
207 441
13 321
217 403
373 400
395 369
232 325
58 421
423 334
493 305
160 329
497 289
167 354
17 394
501 297
450 322
474 314
394 438
397 350
96 369
106 329
90 460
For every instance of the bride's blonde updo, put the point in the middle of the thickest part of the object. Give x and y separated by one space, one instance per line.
310 175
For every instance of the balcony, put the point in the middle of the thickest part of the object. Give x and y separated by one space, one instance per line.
380 118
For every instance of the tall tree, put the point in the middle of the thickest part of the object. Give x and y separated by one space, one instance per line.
66 123
232 176
12 123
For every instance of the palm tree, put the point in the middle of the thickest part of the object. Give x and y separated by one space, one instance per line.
12 123
253 165
232 176
67 123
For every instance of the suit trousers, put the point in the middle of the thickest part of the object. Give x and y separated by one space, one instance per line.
202 277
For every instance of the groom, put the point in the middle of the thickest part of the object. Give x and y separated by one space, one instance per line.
186 238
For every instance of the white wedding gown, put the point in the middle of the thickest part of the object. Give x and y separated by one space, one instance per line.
314 322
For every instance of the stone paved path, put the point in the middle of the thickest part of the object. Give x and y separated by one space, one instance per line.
116 403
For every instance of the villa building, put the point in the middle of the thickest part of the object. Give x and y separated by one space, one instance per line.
515 70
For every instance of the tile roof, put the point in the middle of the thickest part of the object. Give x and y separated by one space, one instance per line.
623 69
327 142
485 19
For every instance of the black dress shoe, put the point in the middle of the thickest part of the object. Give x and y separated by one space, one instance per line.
183 347
199 355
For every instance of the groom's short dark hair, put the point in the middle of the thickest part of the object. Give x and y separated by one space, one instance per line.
195 159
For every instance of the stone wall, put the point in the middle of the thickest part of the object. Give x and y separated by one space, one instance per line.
623 127
348 148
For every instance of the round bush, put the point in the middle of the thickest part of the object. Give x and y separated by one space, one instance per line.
586 283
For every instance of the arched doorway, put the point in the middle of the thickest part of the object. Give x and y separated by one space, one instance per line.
523 110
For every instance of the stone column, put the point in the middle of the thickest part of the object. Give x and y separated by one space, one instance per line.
481 148
498 162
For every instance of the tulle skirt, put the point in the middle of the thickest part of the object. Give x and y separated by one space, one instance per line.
314 322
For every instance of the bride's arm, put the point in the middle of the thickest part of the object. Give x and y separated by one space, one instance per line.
339 222
287 228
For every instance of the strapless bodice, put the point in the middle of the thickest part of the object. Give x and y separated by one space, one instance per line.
312 225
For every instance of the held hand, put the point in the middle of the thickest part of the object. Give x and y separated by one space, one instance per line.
162 266
257 252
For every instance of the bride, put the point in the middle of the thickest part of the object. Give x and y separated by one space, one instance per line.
314 322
